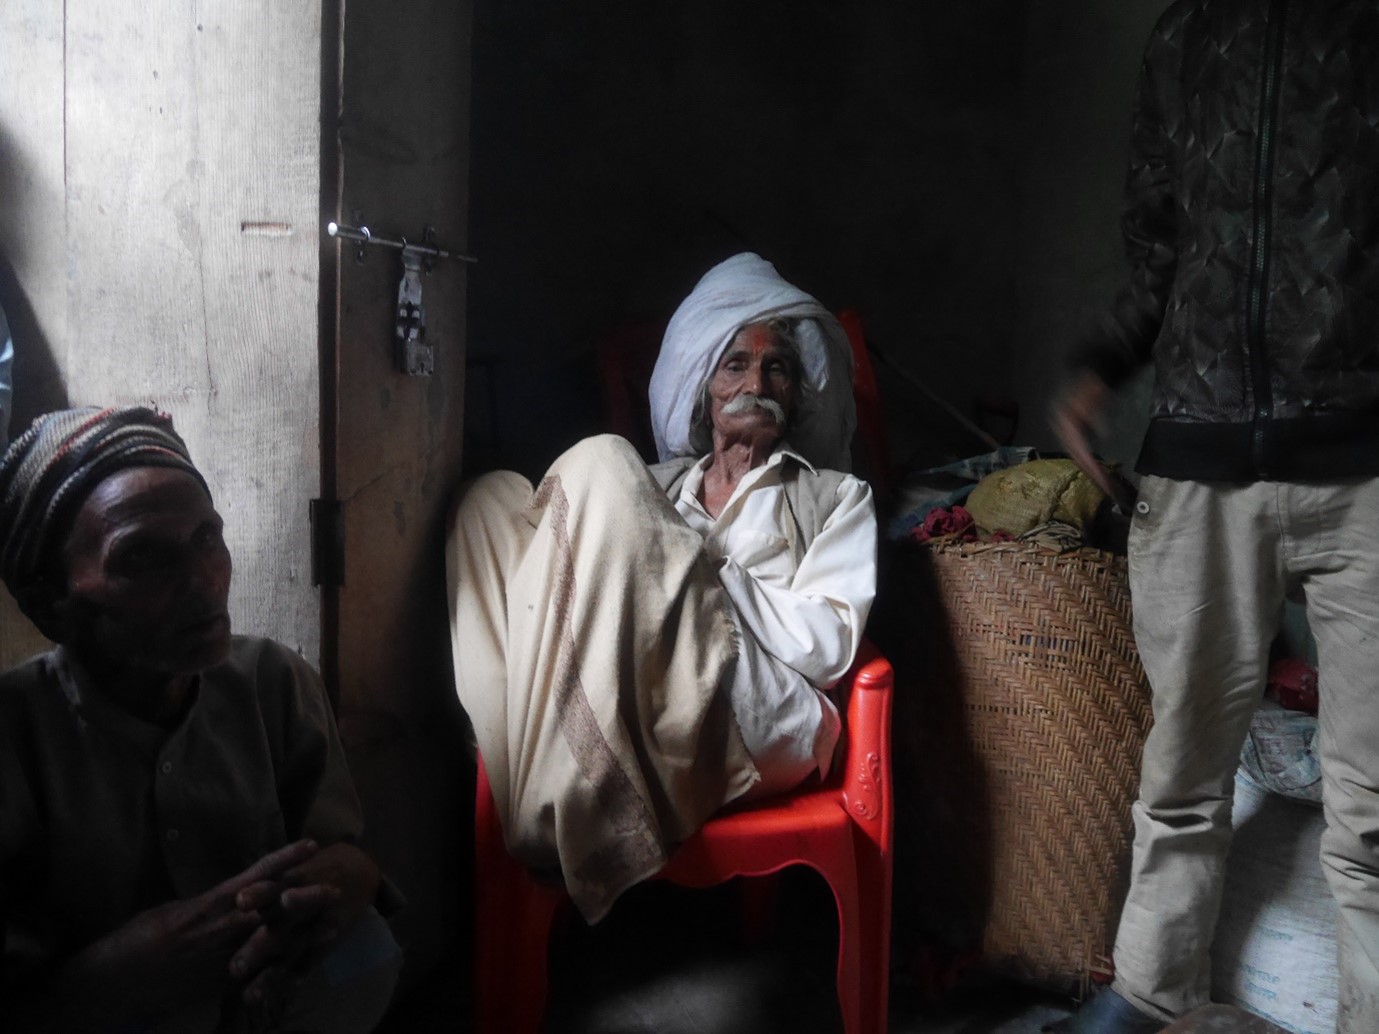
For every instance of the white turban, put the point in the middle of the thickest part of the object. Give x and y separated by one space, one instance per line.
747 289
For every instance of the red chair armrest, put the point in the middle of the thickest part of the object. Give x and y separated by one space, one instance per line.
867 771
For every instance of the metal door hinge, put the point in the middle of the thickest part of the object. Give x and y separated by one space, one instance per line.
327 543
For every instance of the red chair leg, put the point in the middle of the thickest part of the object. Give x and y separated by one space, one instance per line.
517 915
850 959
513 917
873 938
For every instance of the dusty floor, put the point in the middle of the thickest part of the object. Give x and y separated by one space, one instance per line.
669 961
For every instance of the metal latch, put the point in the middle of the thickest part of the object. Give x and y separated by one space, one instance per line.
413 353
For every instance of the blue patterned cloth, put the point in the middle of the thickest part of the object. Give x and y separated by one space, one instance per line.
6 380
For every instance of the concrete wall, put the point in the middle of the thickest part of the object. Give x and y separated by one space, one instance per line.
1081 64
954 170
621 148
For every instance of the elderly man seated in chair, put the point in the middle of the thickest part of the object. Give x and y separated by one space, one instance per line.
637 647
176 818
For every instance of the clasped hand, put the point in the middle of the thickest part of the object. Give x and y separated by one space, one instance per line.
253 930
305 907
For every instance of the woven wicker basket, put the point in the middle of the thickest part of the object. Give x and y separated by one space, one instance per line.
1054 708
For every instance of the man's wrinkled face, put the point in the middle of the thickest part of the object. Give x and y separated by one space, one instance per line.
148 575
753 389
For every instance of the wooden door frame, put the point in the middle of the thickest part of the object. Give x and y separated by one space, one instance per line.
332 53
395 88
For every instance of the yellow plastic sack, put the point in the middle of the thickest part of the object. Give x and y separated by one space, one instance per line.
1023 497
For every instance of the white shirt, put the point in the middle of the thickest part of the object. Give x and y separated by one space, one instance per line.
803 621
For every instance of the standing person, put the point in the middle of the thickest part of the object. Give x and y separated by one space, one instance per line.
1252 227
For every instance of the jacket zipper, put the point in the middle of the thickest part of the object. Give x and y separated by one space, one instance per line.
1258 293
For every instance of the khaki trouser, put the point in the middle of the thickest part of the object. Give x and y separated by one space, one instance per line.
1210 565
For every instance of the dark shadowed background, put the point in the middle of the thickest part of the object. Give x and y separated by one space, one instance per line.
952 170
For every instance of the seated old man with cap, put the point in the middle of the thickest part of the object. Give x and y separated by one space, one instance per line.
636 647
177 823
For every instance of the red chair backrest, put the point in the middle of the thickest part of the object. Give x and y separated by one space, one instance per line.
871 419
625 360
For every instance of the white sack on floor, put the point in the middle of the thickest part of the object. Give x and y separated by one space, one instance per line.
1275 949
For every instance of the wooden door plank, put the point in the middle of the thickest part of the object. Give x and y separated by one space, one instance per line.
192 197
161 237
404 152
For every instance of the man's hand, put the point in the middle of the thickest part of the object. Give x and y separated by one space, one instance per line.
163 959
311 905
1077 417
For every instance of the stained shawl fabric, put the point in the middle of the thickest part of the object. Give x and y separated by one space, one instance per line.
747 289
49 469
591 640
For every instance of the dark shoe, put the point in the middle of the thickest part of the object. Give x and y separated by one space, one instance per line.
1107 1013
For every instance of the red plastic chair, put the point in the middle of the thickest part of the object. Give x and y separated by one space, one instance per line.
625 359
841 829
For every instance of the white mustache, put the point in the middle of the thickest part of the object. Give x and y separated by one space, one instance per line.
743 403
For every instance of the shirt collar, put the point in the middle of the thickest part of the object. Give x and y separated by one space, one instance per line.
90 705
786 451
783 451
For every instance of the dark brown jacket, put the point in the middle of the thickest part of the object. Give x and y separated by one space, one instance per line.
1252 226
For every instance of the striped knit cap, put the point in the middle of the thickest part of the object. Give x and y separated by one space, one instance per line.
49 470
